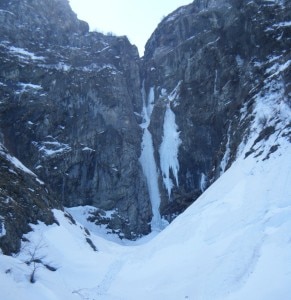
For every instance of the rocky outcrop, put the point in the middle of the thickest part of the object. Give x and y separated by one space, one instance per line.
24 200
68 102
209 59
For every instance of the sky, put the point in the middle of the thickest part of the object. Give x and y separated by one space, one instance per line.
135 18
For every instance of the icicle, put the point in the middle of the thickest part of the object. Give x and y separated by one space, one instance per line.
203 182
215 91
169 150
226 155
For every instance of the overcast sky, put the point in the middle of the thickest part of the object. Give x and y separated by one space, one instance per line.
135 18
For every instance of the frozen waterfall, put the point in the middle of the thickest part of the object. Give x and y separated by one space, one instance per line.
169 150
148 163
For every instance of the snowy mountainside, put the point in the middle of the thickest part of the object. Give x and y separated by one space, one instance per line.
228 245
214 58
72 103
234 242
135 141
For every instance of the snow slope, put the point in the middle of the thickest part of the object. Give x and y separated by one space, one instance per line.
234 242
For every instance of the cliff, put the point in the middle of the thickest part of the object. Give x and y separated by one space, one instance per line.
139 138
209 61
68 102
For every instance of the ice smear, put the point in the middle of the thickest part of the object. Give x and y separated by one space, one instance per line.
227 152
2 227
175 92
169 150
151 102
203 182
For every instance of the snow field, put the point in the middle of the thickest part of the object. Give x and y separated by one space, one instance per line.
227 245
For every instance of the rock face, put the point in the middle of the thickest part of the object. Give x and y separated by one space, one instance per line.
72 104
68 102
207 60
24 200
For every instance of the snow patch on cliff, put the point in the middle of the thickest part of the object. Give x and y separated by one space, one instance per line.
272 114
51 148
24 87
24 54
12 159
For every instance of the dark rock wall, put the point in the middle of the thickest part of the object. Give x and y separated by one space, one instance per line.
24 200
47 22
68 109
211 50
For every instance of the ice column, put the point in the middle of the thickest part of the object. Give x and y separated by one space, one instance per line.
148 163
